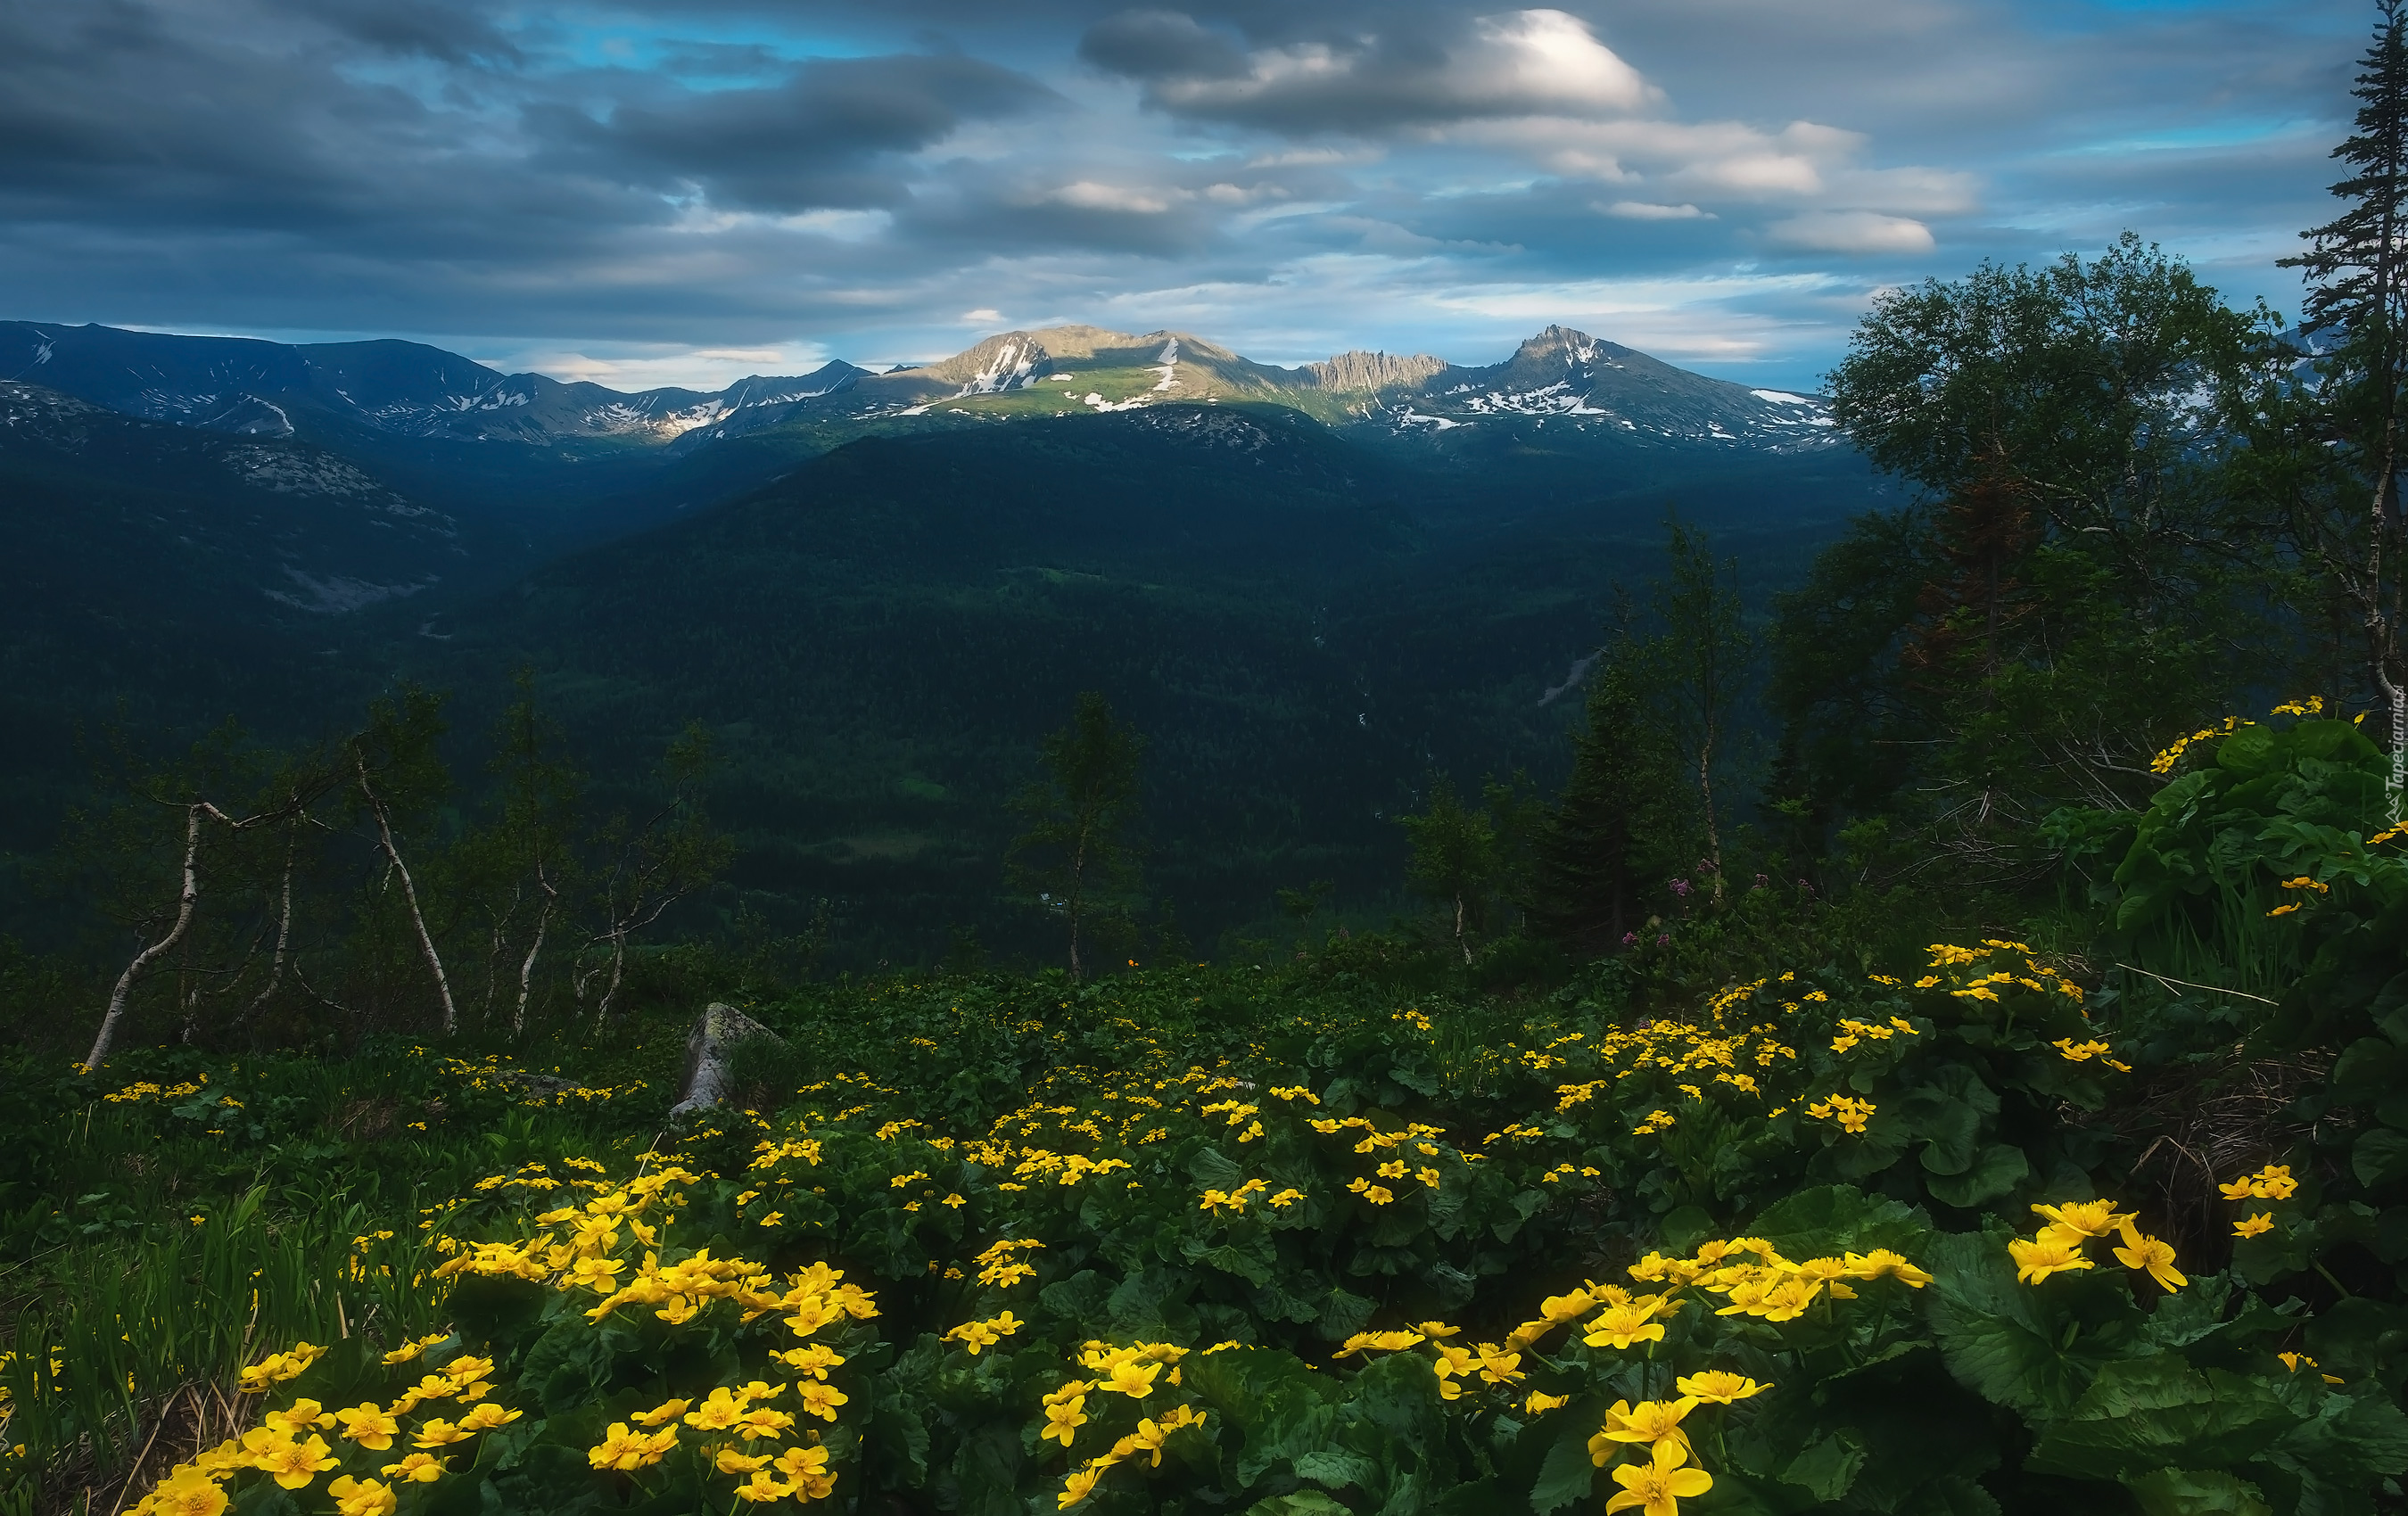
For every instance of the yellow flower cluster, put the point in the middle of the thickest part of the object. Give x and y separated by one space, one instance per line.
2023 971
2057 1248
998 1265
287 1445
1853 1031
976 1337
1849 1111
1133 1370
2272 1182
144 1090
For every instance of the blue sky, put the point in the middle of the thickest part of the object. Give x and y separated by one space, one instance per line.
687 190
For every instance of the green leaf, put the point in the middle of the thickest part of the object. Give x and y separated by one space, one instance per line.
2380 1157
2149 1414
1826 1467
1833 1219
1568 1473
1996 1336
2353 1441
1300 1503
2182 1491
1334 1467
1998 1169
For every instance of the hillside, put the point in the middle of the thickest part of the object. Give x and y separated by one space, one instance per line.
880 638
879 594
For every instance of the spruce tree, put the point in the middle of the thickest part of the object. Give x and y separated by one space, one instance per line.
1621 822
2358 273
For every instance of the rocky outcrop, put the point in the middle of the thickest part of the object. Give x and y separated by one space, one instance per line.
716 1035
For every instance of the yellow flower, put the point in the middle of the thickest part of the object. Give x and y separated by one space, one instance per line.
363 1497
188 1494
2087 1218
820 1398
805 1470
368 1425
1719 1386
762 1422
1619 1326
731 1461
2240 1189
292 1463
719 1413
2254 1225
418 1467
1132 1379
298 1418
668 1410
1650 1422
1064 1418
2152 1255
1657 1486
1077 1486
1539 1403
486 1417
761 1488
2051 1252
439 1433
621 1450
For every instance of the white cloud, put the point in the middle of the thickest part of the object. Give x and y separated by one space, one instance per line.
1520 63
983 316
1643 211
1853 232
1087 194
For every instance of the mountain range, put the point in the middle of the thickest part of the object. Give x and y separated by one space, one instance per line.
1311 586
407 389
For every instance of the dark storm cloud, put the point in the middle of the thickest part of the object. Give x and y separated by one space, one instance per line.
825 138
1154 44
449 32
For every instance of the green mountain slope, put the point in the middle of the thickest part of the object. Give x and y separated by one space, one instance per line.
880 637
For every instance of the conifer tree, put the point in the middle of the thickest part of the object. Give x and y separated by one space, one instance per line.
1619 822
2357 272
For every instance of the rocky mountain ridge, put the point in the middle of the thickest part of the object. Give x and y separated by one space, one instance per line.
1563 377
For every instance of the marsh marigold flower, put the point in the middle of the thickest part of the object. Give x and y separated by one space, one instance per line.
1650 1422
1657 1487
363 1497
2257 1226
1719 1386
622 1450
368 1425
2152 1257
418 1467
2089 1218
2051 1252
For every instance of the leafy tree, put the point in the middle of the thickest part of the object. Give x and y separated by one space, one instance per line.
2077 582
1704 654
1078 852
399 774
518 867
1620 822
1454 859
2357 271
646 867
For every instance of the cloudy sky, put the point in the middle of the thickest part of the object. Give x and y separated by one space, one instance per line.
686 190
